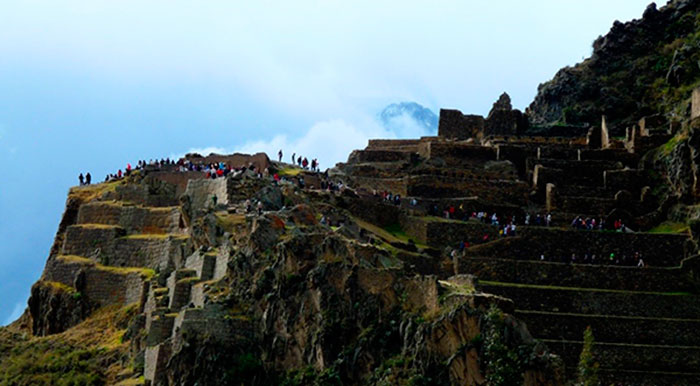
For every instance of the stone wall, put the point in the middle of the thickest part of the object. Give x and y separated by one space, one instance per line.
583 205
626 158
626 179
381 155
577 275
454 124
99 284
156 252
393 185
410 145
134 219
110 246
599 302
452 152
608 328
202 191
493 191
178 179
639 357
90 240
150 191
660 250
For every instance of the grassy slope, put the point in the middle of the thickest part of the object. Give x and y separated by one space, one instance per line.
87 354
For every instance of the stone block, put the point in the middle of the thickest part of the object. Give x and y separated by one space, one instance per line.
695 110
202 263
161 329
201 192
155 362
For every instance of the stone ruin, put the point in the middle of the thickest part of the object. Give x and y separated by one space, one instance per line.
162 244
502 120
645 334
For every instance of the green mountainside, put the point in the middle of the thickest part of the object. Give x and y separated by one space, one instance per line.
640 68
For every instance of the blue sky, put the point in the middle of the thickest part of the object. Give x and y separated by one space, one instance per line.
90 85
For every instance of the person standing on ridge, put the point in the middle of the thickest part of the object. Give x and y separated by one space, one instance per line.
293 154
88 179
81 179
279 155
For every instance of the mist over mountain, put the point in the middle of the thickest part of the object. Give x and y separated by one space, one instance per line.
409 119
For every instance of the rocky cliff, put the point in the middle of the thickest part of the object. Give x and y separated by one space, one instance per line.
640 68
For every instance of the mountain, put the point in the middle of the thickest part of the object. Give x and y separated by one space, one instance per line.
409 119
640 68
403 265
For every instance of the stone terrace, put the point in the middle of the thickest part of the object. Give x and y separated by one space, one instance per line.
645 320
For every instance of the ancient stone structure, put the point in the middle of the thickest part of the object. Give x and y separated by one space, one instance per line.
283 277
502 120
638 315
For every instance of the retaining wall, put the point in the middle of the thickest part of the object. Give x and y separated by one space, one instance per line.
577 275
132 218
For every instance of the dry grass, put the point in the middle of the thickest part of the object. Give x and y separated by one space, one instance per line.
86 354
91 192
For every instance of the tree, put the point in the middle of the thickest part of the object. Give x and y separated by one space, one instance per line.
587 366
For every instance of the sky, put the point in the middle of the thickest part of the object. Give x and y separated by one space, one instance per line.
92 85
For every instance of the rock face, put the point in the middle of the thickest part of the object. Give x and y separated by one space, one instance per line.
639 68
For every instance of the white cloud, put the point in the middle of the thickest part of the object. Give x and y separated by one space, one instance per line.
15 314
330 141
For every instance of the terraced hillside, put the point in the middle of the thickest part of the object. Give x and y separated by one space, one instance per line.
562 278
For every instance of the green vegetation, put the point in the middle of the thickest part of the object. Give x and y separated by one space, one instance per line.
670 227
504 366
391 234
587 366
289 172
229 222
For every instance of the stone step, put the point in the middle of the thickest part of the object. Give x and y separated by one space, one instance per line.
677 305
613 329
616 356
654 279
